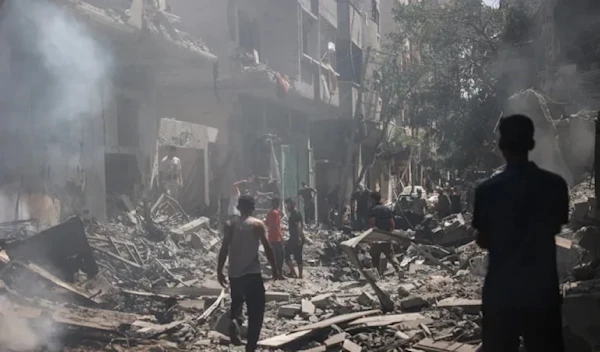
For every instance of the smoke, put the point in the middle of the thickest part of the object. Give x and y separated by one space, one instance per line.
530 59
48 40
54 75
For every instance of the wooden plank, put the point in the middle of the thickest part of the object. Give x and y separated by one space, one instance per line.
470 306
119 258
384 320
337 320
55 280
212 307
351 346
429 345
186 291
280 340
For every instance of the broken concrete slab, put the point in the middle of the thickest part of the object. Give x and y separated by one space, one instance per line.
323 301
385 320
192 226
413 304
289 311
351 346
336 339
196 241
48 250
429 345
470 306
308 308
273 296
281 340
366 299
339 319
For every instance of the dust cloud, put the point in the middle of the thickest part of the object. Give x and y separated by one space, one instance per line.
53 76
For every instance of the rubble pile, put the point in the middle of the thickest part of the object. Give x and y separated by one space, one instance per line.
146 281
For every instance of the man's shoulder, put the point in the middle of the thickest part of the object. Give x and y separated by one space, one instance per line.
549 178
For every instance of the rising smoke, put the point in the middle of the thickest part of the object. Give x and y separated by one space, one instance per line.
53 76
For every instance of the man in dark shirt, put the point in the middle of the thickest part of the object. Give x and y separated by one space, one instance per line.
443 204
295 243
381 217
361 197
308 197
517 215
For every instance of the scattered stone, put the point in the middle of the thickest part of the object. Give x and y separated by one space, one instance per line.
196 241
323 301
273 296
366 299
413 304
289 311
308 308
351 346
336 339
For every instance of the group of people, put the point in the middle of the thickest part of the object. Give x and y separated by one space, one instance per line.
449 202
516 215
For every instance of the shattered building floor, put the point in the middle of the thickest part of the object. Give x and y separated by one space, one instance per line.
146 282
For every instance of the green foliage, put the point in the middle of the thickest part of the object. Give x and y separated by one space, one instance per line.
452 49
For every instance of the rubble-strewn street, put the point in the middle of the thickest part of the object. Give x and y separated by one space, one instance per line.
148 284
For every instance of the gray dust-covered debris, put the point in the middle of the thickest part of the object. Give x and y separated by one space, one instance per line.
163 292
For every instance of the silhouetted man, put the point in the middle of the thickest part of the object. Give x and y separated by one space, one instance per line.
242 237
517 214
381 217
308 196
295 244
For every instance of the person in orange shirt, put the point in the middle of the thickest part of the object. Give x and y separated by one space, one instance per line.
275 236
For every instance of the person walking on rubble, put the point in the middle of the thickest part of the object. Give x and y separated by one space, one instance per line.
381 217
273 223
517 215
308 197
170 176
295 243
443 204
241 240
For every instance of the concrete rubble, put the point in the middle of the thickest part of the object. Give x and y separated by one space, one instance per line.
119 286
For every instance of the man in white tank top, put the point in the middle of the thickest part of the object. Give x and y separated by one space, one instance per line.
243 235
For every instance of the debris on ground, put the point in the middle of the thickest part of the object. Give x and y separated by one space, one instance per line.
118 286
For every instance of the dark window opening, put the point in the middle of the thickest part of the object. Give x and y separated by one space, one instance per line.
349 61
248 32
128 111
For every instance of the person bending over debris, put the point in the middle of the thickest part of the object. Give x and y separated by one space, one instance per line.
240 243
273 223
517 215
295 243
381 217
308 196
170 177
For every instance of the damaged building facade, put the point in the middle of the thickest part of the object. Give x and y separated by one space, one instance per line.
291 73
78 134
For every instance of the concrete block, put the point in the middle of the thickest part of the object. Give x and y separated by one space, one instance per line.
413 304
308 308
335 340
323 301
273 296
289 311
196 241
192 226
581 209
366 299
351 346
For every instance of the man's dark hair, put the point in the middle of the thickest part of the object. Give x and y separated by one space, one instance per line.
246 204
290 201
376 196
275 202
516 134
172 148
303 184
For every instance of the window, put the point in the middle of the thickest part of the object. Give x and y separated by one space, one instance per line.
248 32
375 12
